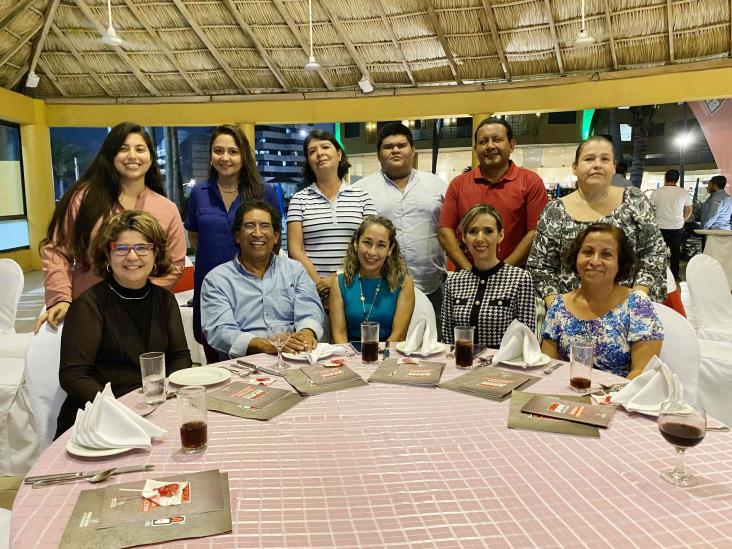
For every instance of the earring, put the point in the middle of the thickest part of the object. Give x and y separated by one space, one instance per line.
109 268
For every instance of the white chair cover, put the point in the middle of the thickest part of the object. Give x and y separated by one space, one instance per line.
422 306
11 287
4 529
711 297
670 281
680 349
41 370
186 315
18 441
715 380
688 304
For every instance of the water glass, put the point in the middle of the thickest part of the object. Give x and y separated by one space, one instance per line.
154 383
581 358
464 346
369 342
192 418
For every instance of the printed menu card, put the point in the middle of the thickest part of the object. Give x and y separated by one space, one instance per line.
562 408
533 422
403 372
187 505
243 399
313 380
490 383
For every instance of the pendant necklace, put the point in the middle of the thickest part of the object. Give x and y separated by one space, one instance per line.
128 298
363 299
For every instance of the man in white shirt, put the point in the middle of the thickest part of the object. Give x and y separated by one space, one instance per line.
412 200
673 208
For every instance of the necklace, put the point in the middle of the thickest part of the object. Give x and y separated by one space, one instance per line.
234 190
128 298
363 299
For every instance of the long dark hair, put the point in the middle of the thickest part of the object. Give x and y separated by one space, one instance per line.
250 183
101 187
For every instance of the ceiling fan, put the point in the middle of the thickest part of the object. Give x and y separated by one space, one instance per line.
584 38
110 37
312 64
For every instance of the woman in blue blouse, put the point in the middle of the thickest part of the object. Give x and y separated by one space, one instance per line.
620 321
233 180
374 286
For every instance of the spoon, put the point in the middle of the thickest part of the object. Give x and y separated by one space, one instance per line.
101 476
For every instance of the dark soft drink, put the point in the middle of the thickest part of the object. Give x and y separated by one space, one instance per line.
580 383
193 435
680 434
370 351
464 354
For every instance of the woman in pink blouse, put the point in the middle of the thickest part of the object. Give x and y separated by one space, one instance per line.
123 176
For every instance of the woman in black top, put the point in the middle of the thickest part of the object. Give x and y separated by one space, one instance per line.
110 325
491 294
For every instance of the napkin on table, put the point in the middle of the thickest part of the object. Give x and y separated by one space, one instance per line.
320 350
106 423
649 390
423 339
519 344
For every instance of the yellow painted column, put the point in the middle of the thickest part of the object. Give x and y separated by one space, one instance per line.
248 129
477 118
38 173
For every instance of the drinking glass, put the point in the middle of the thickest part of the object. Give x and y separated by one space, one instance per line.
581 358
684 425
192 418
152 366
369 342
278 333
464 346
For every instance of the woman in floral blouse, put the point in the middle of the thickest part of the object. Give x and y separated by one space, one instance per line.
621 322
597 201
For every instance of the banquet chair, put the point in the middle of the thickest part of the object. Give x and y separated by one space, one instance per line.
4 528
711 298
715 380
680 349
41 371
422 307
11 288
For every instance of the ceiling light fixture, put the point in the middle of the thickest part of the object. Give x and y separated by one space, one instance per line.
365 85
110 37
312 64
32 80
583 38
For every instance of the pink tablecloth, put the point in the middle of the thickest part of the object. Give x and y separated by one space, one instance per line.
396 466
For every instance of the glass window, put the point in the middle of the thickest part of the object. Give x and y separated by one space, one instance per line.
13 223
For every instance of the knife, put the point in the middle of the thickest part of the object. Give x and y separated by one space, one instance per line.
66 476
260 368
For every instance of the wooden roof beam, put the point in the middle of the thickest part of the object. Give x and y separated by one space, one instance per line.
443 41
81 4
296 33
555 38
21 42
13 13
669 19
52 78
160 43
263 53
209 45
611 35
48 20
341 32
80 60
395 41
490 16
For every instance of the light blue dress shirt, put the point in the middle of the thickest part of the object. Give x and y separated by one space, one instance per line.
717 211
237 306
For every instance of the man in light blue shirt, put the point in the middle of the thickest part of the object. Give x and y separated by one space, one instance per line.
240 298
412 200
717 209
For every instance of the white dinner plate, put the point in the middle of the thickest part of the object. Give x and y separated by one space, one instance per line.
403 344
545 359
304 356
200 375
82 451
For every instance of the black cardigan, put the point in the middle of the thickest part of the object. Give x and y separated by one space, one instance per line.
101 344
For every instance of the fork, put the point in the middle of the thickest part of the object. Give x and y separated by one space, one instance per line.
548 370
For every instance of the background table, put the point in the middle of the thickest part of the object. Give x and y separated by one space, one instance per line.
397 466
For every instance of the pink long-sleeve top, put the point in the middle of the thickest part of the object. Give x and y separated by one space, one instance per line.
64 281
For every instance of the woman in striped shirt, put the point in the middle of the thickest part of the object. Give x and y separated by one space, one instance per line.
322 217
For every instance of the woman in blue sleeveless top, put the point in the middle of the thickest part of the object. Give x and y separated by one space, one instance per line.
374 286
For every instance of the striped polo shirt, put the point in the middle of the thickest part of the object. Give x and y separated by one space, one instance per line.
328 227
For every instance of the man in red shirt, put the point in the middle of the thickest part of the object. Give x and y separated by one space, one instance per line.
518 195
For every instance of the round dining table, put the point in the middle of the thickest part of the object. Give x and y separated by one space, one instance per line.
385 465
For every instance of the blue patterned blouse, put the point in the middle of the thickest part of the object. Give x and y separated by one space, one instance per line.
632 320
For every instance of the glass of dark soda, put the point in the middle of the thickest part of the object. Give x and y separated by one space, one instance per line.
369 342
192 418
464 346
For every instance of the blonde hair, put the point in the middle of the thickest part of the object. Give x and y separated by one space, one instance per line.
394 270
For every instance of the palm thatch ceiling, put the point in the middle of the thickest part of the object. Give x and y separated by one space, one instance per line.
200 48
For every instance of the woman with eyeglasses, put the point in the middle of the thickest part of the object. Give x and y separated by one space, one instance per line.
232 181
123 176
110 325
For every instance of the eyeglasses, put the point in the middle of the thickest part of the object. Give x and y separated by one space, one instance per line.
250 227
122 250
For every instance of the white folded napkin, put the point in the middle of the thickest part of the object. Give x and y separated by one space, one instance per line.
106 423
648 391
519 344
320 350
423 339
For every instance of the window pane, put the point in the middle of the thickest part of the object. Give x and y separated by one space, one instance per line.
11 173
